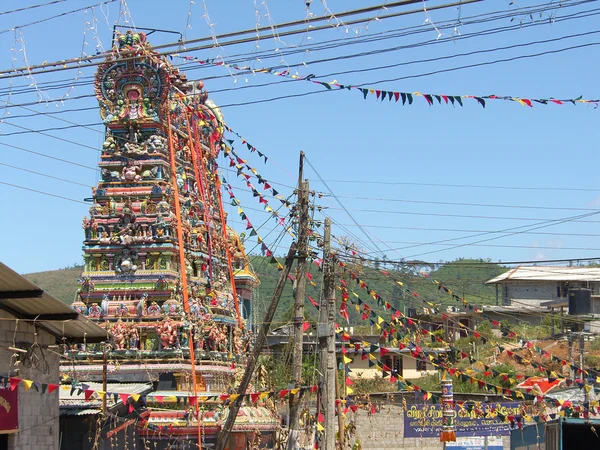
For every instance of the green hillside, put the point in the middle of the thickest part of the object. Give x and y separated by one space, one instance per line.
465 277
61 283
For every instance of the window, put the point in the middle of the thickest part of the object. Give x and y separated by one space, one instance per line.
421 365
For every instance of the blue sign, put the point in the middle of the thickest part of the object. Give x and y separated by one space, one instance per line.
426 420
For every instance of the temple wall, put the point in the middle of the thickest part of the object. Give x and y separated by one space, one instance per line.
38 413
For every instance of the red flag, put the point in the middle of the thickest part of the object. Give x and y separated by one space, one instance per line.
373 410
383 351
14 382
254 397
88 394
349 382
283 393
305 326
158 398
52 388
320 418
193 400
124 397
314 388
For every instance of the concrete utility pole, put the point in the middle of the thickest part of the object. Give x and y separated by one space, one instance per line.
326 335
581 363
223 437
298 314
571 360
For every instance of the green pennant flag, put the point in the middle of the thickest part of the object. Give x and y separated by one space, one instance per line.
253 232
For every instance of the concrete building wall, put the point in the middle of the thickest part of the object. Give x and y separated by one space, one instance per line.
38 413
385 430
530 293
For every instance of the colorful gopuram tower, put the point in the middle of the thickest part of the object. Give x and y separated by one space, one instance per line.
163 272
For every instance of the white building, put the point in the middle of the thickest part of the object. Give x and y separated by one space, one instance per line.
533 285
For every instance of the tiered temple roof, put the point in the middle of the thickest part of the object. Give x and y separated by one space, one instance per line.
163 272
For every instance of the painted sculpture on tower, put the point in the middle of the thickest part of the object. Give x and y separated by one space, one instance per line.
163 272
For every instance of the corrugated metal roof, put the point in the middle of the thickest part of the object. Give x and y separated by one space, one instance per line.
25 300
547 273
75 398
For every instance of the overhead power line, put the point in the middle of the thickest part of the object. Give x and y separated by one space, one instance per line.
76 63
27 8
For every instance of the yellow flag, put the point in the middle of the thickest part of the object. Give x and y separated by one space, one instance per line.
295 391
347 360
263 395
320 427
400 283
232 397
349 390
380 320
28 384
135 397
101 394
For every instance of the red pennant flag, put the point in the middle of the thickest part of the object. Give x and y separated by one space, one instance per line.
354 408
14 382
312 300
224 397
52 388
88 394
305 326
476 334
349 382
283 393
309 276
320 418
124 397
373 410
363 356
393 379
344 351
314 388
383 351
130 409
254 397
345 337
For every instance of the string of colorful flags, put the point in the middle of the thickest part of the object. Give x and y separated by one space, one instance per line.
405 97
253 232
89 394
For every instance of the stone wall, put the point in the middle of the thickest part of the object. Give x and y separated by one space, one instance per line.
38 413
385 430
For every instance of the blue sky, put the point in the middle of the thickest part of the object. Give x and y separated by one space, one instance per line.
395 168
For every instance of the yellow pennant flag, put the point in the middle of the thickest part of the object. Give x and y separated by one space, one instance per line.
263 395
232 397
400 283
320 427
28 384
101 394
135 397
349 390
380 320
295 391
347 360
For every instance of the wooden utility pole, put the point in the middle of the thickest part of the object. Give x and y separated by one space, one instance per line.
258 345
326 335
298 312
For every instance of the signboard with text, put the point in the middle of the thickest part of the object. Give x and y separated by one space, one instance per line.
426 420
9 411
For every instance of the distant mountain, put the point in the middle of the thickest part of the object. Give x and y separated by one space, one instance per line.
465 277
